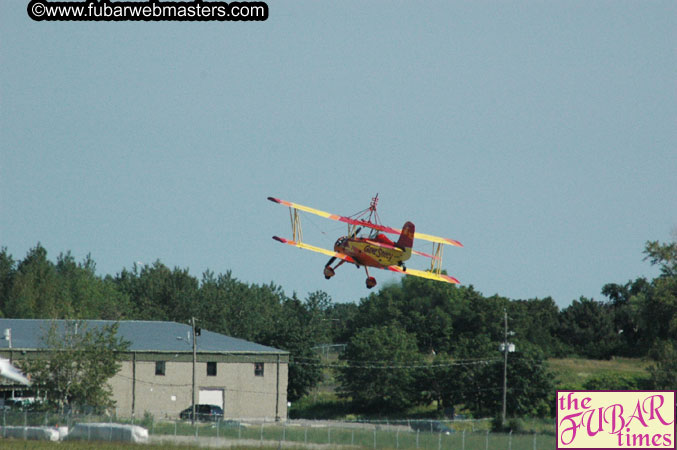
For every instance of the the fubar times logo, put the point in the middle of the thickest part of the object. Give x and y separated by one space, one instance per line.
616 420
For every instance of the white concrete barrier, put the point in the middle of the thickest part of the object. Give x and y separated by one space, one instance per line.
63 432
108 432
32 433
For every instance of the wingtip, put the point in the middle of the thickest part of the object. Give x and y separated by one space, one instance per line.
453 280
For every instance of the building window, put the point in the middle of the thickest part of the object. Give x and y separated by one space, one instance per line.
258 369
211 368
159 368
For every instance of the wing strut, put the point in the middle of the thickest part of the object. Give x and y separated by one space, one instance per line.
436 260
296 230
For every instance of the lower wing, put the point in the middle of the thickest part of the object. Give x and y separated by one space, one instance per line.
424 274
413 272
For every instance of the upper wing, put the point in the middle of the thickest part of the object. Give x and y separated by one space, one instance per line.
425 274
364 223
316 249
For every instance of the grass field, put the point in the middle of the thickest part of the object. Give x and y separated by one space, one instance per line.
321 439
14 444
572 373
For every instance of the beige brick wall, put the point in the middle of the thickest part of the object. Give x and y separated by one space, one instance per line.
246 396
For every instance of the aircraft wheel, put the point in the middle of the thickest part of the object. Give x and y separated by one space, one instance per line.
328 272
371 282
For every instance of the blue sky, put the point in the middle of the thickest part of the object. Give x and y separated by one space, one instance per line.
542 135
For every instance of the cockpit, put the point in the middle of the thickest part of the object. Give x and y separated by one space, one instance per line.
340 242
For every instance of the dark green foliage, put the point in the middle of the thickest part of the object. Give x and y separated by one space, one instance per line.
34 289
158 293
627 307
437 314
380 371
538 322
529 386
664 371
7 270
587 327
37 288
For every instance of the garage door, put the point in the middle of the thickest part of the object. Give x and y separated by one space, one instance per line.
211 397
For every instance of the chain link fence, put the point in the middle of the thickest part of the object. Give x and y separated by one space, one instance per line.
398 434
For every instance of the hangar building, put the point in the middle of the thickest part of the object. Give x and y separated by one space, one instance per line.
248 380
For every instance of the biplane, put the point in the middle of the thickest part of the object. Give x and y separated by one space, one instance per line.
372 249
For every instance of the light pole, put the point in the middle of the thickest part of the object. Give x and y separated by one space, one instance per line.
192 322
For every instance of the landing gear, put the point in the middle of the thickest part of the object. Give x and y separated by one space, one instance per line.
401 264
371 281
328 270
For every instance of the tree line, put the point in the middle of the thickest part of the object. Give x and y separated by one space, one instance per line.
410 343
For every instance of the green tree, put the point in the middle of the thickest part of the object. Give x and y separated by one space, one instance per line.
645 312
35 291
663 306
380 370
437 314
587 326
342 319
79 361
663 255
229 306
159 293
664 371
7 270
628 308
537 321
530 385
450 380
84 295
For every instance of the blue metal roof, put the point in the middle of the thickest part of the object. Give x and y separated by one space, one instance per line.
143 335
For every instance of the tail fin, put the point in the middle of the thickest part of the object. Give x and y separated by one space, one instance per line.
406 240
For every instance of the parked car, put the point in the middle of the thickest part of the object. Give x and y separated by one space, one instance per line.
207 413
432 426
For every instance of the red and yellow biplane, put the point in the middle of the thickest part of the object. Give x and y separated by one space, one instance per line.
372 250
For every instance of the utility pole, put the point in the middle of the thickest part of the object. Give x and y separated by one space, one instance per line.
506 347
505 362
192 321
